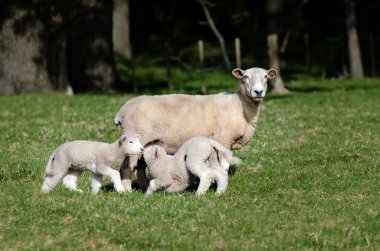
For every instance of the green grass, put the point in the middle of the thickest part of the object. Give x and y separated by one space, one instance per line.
310 180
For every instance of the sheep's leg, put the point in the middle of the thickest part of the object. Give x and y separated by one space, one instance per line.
96 183
53 177
176 186
142 180
205 179
221 178
114 176
198 168
154 185
164 180
70 181
126 173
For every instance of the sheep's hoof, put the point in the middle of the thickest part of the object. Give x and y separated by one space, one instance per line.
127 185
199 193
120 190
219 193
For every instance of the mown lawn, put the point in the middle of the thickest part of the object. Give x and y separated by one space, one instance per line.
310 180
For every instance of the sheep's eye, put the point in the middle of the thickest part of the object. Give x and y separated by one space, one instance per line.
245 76
130 142
266 76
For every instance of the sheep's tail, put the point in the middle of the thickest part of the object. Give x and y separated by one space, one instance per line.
48 168
227 154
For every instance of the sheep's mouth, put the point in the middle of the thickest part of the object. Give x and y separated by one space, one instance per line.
257 98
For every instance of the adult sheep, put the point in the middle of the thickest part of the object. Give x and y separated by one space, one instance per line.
170 120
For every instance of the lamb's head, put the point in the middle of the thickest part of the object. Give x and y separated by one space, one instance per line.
254 81
154 153
131 144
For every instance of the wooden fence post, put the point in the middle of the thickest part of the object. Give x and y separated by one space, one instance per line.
307 53
168 67
201 57
372 54
237 52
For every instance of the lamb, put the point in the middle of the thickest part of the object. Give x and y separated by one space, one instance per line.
200 156
170 120
70 159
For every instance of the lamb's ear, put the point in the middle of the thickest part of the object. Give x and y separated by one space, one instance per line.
271 73
121 140
238 73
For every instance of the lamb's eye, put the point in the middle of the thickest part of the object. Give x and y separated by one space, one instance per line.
266 76
245 76
130 142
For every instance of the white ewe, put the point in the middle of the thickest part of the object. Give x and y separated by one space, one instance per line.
170 120
72 158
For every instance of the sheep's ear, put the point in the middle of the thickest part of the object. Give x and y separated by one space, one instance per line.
271 73
238 73
121 140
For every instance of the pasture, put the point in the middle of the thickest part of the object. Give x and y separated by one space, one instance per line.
310 179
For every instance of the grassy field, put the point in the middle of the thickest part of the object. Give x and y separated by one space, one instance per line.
310 180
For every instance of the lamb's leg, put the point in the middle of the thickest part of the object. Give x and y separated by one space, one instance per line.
96 183
197 167
205 179
163 180
70 181
126 173
176 186
153 186
53 177
114 176
221 178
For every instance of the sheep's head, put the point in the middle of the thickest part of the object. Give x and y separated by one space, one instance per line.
131 144
154 153
254 81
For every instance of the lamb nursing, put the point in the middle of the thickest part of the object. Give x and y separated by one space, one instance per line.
200 156
170 120
70 159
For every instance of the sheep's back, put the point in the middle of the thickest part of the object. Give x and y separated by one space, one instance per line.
173 119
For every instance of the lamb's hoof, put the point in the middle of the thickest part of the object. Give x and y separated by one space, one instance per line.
127 185
199 193
120 191
148 193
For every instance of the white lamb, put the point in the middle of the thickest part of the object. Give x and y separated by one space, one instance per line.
170 120
200 156
72 158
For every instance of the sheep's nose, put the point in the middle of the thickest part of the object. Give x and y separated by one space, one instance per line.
258 92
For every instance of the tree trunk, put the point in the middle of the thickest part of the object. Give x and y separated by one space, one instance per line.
90 51
277 83
57 59
44 45
211 22
274 9
121 39
22 48
356 66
